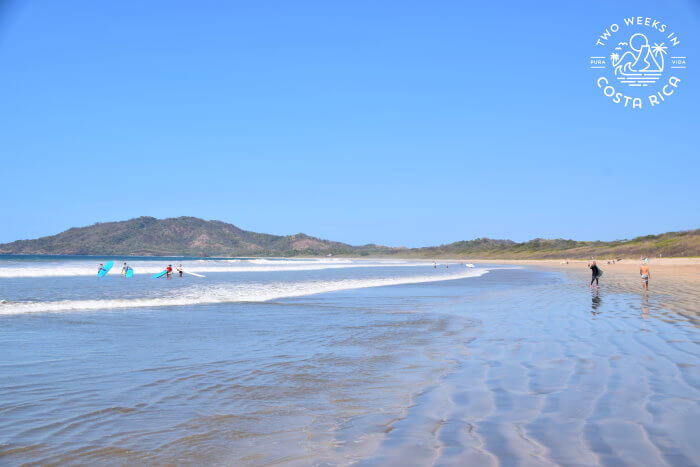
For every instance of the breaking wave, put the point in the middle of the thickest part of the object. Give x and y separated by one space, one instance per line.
256 292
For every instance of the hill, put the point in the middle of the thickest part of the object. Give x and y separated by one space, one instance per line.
186 236
671 244
191 236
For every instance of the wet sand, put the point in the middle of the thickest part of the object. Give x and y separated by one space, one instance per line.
565 375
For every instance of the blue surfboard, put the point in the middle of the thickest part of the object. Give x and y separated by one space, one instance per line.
105 268
129 272
160 274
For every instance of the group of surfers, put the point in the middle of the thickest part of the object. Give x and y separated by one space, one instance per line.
126 268
169 271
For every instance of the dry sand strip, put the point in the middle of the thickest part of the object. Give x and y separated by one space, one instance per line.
674 282
663 270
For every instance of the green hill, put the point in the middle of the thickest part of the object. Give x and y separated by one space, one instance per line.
671 244
190 236
187 236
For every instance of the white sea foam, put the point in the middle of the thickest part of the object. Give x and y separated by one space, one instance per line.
198 266
297 261
255 292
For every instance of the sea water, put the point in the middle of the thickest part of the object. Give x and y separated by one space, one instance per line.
335 361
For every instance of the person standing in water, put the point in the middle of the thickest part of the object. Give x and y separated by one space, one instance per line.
125 268
646 274
595 271
169 271
180 271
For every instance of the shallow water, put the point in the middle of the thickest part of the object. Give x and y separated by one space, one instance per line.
389 364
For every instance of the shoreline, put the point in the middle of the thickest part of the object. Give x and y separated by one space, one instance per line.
686 269
681 268
663 270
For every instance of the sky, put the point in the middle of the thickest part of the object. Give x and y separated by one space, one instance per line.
398 122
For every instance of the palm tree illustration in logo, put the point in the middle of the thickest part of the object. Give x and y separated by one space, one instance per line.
640 65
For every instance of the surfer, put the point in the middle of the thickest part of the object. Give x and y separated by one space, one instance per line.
125 268
596 273
100 268
646 274
180 270
169 271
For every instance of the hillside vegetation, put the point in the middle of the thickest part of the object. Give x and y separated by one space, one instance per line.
186 236
191 236
672 244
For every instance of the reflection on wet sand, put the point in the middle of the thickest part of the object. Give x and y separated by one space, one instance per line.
596 301
645 305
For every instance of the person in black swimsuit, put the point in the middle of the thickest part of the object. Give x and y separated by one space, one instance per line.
595 273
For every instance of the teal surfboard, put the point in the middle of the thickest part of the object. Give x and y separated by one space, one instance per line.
105 269
160 274
129 272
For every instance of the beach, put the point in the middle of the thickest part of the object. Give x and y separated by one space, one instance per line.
345 362
677 280
668 269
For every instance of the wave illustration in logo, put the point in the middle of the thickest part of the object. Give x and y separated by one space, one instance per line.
642 64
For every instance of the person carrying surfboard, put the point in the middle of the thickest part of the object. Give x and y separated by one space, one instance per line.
125 268
596 272
169 271
100 268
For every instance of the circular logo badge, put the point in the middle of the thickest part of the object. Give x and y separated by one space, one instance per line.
638 62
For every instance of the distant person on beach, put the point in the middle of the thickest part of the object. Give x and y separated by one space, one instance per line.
180 270
595 272
646 274
169 271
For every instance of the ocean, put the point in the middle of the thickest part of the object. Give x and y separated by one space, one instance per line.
335 362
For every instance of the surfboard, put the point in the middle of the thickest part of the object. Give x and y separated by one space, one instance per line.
105 268
129 272
600 273
160 274
194 274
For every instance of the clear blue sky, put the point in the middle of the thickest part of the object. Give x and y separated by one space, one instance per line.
402 123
